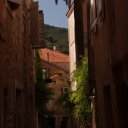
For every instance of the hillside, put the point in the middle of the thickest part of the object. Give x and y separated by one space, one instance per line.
55 36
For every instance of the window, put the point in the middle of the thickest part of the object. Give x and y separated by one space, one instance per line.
46 73
92 13
100 9
15 1
108 106
5 107
96 12
1 34
65 90
13 4
19 108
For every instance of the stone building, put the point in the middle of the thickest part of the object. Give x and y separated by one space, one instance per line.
78 41
57 64
72 44
37 26
17 78
56 58
108 42
41 29
107 28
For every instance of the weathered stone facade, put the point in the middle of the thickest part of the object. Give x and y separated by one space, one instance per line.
17 80
57 64
109 30
58 112
37 26
108 58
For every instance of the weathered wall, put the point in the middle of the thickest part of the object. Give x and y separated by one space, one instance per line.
59 110
71 38
108 40
59 73
17 105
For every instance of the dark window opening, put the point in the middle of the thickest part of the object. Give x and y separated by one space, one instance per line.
13 4
50 120
5 104
122 96
19 108
108 107
64 122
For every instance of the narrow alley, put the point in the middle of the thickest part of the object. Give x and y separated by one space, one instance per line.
74 76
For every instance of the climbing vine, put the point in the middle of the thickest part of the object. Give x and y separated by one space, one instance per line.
82 109
77 101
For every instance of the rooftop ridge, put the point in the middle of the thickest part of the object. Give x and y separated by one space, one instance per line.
53 55
56 51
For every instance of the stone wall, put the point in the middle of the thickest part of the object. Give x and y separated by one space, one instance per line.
108 43
17 79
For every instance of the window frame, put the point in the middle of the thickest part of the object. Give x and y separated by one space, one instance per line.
97 13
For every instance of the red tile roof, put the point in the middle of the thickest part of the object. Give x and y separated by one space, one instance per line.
53 56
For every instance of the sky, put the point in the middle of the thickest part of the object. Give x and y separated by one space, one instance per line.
54 14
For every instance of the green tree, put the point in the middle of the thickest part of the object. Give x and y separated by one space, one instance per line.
82 109
56 36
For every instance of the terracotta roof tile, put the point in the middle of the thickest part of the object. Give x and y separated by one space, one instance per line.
53 56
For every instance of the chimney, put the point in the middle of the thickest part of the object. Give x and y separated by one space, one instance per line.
47 56
54 47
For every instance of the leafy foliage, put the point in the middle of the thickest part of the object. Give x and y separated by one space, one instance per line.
82 109
55 36
77 101
65 100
